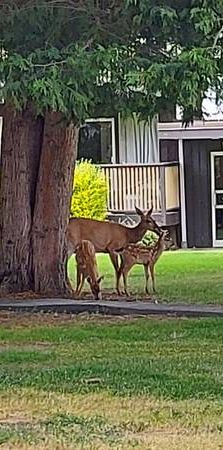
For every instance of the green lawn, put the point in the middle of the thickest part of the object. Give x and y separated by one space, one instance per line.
101 383
182 276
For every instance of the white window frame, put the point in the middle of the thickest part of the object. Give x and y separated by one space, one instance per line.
215 242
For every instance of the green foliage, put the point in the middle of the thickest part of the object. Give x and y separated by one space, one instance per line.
65 80
85 58
89 198
149 238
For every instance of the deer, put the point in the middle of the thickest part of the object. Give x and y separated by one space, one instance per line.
109 237
87 269
144 255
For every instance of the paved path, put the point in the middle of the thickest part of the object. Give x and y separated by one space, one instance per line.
111 307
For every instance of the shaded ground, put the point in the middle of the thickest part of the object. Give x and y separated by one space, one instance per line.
110 383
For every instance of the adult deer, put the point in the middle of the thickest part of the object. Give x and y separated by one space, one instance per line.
109 237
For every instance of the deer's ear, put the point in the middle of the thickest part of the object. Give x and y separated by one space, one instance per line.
100 279
149 212
139 212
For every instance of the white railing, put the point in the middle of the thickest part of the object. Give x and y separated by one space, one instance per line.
143 185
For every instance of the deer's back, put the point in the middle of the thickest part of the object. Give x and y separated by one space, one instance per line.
85 257
142 254
103 235
138 253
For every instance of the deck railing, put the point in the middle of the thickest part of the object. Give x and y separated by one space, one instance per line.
143 185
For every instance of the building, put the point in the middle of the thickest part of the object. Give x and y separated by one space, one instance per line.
178 170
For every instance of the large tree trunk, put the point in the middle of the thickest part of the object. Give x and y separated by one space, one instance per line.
52 205
21 145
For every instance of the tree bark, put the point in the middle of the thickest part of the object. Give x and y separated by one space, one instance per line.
52 207
20 151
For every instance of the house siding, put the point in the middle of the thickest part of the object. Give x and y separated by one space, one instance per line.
168 150
197 169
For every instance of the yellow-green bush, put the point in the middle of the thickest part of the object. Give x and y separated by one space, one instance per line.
89 197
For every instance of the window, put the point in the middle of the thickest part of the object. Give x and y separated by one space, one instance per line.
97 141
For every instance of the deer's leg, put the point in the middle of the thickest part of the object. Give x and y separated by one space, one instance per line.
146 271
80 282
114 260
78 279
153 277
153 280
81 285
125 271
118 276
125 275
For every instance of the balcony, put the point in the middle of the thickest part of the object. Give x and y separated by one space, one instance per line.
144 185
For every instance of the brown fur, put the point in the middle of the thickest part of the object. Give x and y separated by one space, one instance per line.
109 237
87 268
141 254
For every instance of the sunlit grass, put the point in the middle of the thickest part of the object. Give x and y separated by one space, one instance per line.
182 277
105 383
34 419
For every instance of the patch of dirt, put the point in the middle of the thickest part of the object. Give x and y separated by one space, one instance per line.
30 347
26 295
12 320
86 295
15 420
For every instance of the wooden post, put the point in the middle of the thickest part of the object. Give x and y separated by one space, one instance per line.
162 171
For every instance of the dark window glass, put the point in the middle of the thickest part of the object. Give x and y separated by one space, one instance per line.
218 166
95 142
219 224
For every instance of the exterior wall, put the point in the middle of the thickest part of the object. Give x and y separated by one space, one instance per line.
197 174
168 150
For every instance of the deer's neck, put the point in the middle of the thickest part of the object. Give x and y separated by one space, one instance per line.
93 271
136 233
158 248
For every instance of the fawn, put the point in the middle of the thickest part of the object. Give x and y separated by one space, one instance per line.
141 254
87 269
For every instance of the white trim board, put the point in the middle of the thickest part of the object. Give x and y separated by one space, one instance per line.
182 196
199 130
191 134
197 125
215 242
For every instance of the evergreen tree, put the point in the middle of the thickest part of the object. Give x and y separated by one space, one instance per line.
62 61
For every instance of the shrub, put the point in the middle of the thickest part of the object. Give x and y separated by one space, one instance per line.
149 238
89 197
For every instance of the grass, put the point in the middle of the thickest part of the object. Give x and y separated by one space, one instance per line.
182 277
104 383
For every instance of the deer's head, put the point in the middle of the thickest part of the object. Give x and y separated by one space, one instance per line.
95 287
168 241
148 222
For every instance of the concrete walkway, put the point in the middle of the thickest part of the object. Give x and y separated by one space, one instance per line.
110 307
